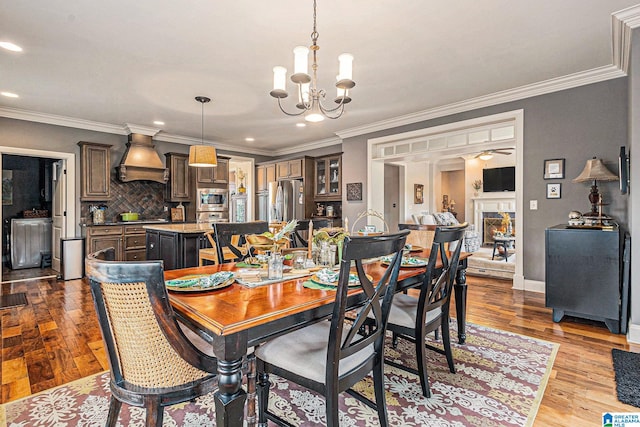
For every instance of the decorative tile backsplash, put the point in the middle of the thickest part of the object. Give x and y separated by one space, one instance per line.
143 197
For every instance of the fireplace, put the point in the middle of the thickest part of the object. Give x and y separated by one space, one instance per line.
492 222
487 208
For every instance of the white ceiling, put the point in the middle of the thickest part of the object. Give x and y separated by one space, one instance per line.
115 62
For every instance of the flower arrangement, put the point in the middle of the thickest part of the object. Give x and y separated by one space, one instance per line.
507 228
477 184
274 240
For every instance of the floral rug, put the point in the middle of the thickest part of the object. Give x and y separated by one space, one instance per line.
500 381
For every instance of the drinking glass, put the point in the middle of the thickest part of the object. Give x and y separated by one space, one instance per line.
275 266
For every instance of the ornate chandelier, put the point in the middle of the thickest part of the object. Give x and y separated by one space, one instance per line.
309 96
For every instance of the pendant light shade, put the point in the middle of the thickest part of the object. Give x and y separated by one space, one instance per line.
202 156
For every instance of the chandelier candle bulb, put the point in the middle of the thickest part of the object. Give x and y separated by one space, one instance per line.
346 67
300 61
279 82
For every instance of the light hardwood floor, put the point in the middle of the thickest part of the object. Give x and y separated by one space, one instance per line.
55 339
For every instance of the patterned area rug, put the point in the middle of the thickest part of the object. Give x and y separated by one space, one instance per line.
500 380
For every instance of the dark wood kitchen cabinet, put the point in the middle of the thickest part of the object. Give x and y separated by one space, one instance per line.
583 275
103 237
134 247
215 175
95 172
127 240
178 187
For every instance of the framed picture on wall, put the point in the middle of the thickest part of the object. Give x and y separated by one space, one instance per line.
354 191
553 190
554 169
418 194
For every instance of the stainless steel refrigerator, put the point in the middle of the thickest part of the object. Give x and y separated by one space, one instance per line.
286 200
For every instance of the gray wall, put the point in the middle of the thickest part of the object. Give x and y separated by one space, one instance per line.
574 124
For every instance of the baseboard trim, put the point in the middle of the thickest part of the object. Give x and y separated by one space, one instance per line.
522 284
633 335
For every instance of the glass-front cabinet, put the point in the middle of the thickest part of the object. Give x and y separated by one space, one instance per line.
328 177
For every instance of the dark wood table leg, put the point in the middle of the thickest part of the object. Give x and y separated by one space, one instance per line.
460 289
230 397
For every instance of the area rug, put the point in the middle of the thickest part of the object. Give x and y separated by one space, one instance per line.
500 381
627 368
13 300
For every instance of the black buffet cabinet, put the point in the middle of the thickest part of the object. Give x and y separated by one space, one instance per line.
584 275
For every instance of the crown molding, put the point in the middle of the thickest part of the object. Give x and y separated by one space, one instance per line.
52 119
308 146
548 86
187 140
143 130
622 25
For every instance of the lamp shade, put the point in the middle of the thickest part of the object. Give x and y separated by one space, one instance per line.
595 170
202 156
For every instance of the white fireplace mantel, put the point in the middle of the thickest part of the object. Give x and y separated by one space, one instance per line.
502 202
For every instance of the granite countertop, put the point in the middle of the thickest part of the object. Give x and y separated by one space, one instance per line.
142 221
182 227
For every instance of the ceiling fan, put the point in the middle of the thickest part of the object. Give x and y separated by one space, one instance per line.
487 154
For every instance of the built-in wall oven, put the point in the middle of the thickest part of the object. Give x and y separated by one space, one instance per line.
212 205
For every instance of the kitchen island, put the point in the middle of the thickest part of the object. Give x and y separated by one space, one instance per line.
176 244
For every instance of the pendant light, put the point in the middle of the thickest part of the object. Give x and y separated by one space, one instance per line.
202 156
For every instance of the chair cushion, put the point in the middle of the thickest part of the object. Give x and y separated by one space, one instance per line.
197 341
304 352
404 311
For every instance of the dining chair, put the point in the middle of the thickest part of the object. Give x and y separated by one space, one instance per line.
152 363
230 240
331 356
298 240
420 234
413 318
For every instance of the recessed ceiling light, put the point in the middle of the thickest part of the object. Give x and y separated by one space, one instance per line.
249 139
301 125
9 94
10 46
158 122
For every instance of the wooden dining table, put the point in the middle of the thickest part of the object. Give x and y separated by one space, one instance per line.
238 317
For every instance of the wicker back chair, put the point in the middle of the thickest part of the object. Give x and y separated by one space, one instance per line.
152 363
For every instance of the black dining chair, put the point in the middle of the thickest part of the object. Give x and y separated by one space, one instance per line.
152 363
331 356
230 239
300 240
413 318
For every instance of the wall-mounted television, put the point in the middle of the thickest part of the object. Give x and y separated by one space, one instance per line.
499 179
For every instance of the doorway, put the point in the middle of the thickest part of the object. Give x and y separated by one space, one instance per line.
51 196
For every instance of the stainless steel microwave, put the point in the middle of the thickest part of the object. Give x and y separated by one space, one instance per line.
212 199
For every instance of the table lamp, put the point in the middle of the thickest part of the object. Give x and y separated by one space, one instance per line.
595 171
452 205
